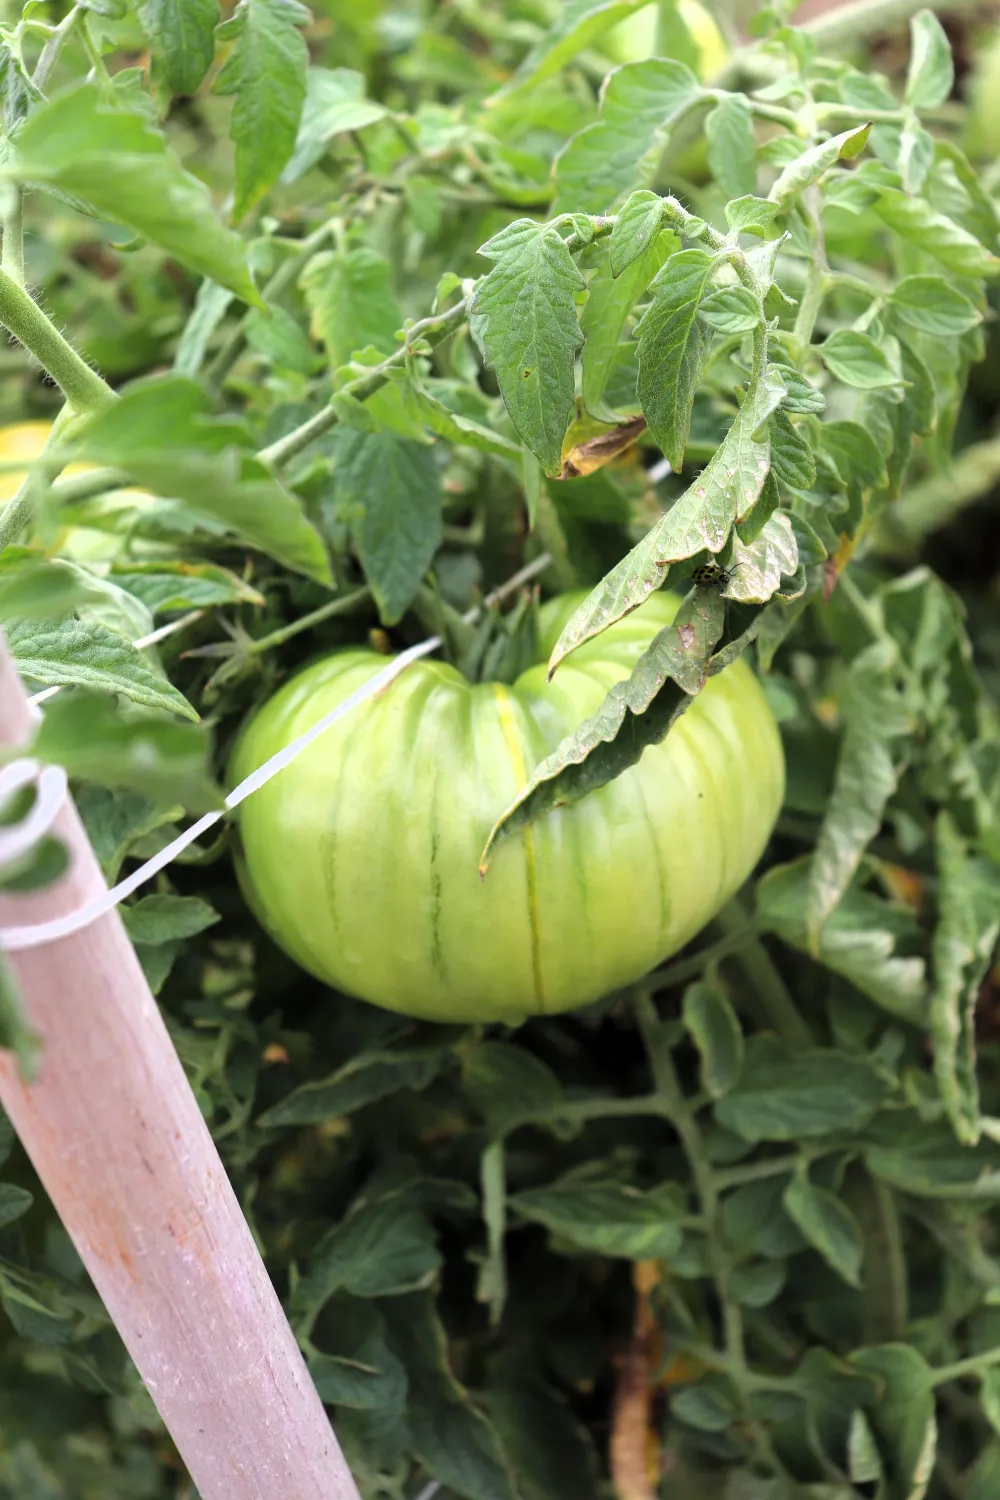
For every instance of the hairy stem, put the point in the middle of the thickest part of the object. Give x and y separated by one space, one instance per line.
13 238
23 318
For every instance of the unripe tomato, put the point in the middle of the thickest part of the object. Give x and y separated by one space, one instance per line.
982 122
26 440
635 38
361 857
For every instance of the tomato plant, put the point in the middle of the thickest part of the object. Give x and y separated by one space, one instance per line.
664 1166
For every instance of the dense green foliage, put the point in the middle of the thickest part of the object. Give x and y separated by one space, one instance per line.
355 312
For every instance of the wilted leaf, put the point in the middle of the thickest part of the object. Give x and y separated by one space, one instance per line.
964 942
636 713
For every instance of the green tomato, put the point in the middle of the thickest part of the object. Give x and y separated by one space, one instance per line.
361 858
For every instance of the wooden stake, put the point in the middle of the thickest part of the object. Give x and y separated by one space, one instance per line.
117 1138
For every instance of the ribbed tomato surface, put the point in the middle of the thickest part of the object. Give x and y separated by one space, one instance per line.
361 857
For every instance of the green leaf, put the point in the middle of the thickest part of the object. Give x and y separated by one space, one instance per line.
17 92
14 1202
732 146
864 1462
606 1216
989 1396
33 588
637 225
801 396
902 1416
463 431
388 490
771 555
926 1159
163 433
715 1031
826 1223
621 150
113 161
710 1406
914 220
81 653
182 40
16 1034
266 71
792 459
335 104
932 305
854 453
115 821
876 715
750 215
550 1450
673 348
783 1095
167 586
384 1245
757 1285
965 938
210 304
452 1439
373 1381
524 318
155 757
509 1086
931 73
669 674
731 310
725 491
577 24
280 340
165 919
916 154
351 301
856 360
605 315
363 1080
857 940
810 166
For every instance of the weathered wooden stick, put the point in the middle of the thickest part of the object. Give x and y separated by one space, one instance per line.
117 1138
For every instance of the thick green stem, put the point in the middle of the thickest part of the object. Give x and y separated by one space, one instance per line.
432 329
13 238
52 48
282 278
683 1120
770 999
21 316
690 968
339 606
976 1364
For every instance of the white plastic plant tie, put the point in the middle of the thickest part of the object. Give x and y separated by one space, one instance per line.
50 781
17 939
